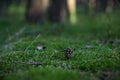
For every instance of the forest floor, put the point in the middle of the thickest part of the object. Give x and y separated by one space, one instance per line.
95 42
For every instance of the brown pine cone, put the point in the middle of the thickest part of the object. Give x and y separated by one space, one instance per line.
68 53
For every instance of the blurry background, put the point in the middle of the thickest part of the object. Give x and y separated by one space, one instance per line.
19 17
39 11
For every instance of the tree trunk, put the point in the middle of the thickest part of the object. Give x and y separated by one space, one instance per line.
100 5
4 7
36 10
110 5
71 5
57 11
93 7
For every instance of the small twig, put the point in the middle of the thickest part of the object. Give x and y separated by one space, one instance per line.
32 63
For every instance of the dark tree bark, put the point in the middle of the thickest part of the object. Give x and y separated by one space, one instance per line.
54 10
4 6
101 5
92 6
117 4
36 10
57 11
110 5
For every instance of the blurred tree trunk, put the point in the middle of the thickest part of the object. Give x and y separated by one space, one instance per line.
4 7
104 5
110 5
71 5
97 6
0 10
79 2
36 10
57 11
101 5
117 4
92 6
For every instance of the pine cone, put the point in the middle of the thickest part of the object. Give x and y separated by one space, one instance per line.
68 53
